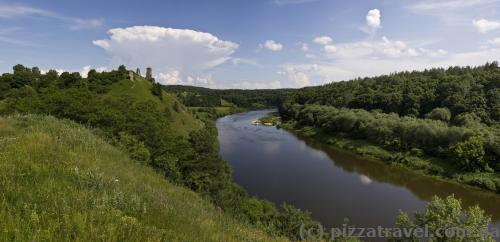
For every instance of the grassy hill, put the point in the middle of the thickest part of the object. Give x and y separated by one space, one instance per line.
60 182
180 118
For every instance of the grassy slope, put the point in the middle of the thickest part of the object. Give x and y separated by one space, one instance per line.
180 118
60 182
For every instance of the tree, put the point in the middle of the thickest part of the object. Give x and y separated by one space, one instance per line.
447 221
469 154
442 114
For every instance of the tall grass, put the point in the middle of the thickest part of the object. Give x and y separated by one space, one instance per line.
59 182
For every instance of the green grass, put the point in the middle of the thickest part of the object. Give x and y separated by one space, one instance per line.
60 182
181 120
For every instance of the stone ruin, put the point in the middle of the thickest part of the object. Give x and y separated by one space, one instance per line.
138 72
131 75
149 74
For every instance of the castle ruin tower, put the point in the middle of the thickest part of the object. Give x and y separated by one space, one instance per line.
138 71
149 73
131 75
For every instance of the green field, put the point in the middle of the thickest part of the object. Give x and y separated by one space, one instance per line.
60 182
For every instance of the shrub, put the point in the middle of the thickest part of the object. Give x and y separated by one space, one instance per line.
469 154
442 114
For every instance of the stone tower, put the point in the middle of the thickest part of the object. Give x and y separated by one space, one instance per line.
138 72
131 75
149 74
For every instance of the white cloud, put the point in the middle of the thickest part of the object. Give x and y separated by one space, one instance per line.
244 61
15 11
485 26
323 40
454 12
376 49
439 5
85 70
272 45
346 61
257 85
175 54
373 19
304 47
330 49
373 64
171 77
301 75
495 41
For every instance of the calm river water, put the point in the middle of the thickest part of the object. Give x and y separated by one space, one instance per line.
279 166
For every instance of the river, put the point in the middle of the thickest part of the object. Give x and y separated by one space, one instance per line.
279 166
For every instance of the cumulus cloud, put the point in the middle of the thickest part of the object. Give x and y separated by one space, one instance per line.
367 63
373 19
330 49
485 26
272 45
323 40
349 60
257 85
179 56
383 48
15 11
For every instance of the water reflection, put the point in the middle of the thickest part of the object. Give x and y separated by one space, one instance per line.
279 166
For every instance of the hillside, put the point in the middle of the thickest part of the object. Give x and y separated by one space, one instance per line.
180 118
61 182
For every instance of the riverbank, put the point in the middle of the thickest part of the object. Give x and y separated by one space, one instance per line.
414 161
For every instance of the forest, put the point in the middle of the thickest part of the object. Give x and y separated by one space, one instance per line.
451 114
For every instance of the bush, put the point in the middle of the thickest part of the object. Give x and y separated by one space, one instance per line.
469 154
442 114
481 181
447 214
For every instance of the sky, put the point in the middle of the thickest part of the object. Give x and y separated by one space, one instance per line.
249 44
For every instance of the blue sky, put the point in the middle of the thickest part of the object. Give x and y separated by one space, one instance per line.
250 44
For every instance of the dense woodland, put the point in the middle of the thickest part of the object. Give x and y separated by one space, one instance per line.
452 114
205 97
460 90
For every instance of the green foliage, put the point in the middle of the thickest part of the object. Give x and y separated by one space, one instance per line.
204 97
469 154
158 131
135 148
447 214
459 89
403 134
59 182
157 91
442 114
